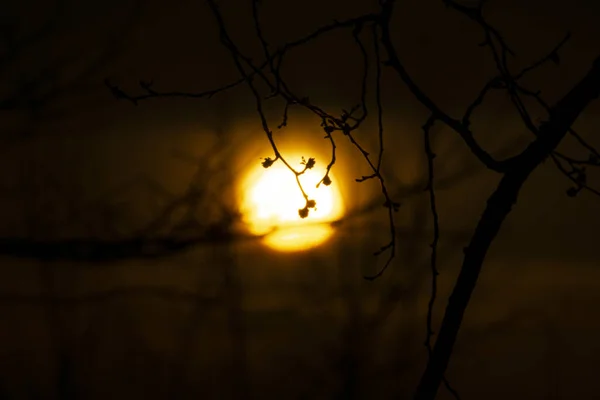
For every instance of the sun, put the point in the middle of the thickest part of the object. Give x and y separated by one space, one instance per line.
272 198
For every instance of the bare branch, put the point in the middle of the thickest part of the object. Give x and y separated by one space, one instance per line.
551 56
394 62
514 170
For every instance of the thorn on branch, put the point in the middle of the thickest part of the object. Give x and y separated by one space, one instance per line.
118 93
551 56
366 177
383 248
285 115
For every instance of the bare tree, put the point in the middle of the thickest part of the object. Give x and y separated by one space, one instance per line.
265 81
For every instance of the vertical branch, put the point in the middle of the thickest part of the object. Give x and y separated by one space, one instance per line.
436 230
434 243
378 96
499 206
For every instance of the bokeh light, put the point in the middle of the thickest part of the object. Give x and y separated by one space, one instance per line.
271 199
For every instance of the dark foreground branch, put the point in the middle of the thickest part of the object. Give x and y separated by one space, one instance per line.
499 205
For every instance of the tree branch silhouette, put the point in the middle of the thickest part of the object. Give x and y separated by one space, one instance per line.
36 88
347 122
178 225
514 170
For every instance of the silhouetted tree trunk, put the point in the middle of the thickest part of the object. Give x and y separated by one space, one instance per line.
514 171
499 205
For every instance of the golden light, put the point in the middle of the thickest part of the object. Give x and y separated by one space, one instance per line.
272 198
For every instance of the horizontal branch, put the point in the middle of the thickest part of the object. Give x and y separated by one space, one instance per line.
102 251
151 93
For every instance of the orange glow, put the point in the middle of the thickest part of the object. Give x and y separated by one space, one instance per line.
299 238
271 199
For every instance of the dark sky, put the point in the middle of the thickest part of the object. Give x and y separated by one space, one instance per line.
211 319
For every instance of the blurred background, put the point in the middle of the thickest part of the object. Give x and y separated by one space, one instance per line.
87 312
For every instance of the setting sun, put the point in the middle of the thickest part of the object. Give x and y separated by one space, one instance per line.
272 200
